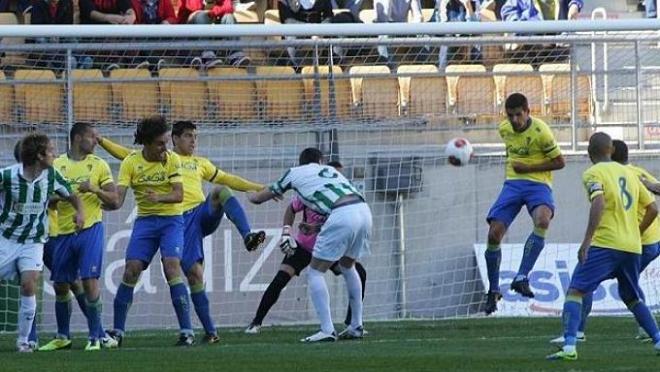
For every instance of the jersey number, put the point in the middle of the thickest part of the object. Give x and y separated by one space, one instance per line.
626 198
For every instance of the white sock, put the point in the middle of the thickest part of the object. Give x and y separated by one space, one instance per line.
318 291
354 287
26 313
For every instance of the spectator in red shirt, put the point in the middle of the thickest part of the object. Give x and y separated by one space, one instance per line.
152 12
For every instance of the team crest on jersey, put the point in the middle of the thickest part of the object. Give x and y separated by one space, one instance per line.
89 167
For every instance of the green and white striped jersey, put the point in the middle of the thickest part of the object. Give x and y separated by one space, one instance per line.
24 203
319 186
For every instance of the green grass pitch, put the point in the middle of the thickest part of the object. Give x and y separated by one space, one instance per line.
513 344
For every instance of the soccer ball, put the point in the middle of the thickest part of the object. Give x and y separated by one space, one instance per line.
458 151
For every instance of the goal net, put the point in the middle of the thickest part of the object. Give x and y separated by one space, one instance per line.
387 120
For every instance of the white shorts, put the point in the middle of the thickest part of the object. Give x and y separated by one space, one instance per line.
16 258
346 232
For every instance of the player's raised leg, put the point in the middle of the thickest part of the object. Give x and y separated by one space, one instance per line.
223 200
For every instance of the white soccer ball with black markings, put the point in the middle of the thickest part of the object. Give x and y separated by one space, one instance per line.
459 151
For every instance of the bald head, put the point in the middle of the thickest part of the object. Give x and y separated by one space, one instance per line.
600 146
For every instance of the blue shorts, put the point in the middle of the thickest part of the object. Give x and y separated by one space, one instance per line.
153 232
515 194
78 255
649 253
198 222
605 263
48 253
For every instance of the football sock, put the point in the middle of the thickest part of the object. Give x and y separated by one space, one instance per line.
533 247
354 288
82 302
234 211
63 315
201 302
33 331
26 312
271 295
181 303
645 319
587 301
571 318
123 301
94 309
493 257
318 291
363 278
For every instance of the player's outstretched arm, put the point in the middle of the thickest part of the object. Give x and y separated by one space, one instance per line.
261 196
237 183
549 165
116 150
653 187
107 194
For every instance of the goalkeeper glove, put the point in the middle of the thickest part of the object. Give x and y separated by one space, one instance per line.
288 244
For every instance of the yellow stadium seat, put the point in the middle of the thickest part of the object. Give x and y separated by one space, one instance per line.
282 99
530 85
39 102
6 101
246 16
272 17
378 96
92 101
235 99
136 100
422 95
342 89
11 58
471 95
185 99
367 15
557 90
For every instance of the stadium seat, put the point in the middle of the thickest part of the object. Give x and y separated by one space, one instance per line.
342 89
234 99
11 58
367 15
38 102
246 16
6 101
422 95
282 99
92 101
508 82
557 90
427 13
185 100
378 96
471 95
135 100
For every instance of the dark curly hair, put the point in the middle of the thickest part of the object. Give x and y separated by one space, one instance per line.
32 145
149 128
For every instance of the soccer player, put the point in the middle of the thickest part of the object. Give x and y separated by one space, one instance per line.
79 254
154 174
612 242
531 156
24 192
344 236
202 215
297 255
650 242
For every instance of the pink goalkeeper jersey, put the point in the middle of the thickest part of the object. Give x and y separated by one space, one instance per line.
310 225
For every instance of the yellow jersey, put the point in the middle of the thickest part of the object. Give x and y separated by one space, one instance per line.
534 145
92 169
53 230
142 176
195 169
652 234
625 197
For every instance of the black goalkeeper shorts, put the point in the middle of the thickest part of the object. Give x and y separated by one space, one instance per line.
299 260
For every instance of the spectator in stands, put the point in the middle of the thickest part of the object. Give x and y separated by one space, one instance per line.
395 11
457 11
354 6
531 10
153 12
311 11
218 12
651 8
107 12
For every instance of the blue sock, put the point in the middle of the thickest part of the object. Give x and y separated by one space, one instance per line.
237 216
123 301
94 309
82 302
201 302
181 304
533 247
493 257
63 315
571 318
33 332
645 319
587 301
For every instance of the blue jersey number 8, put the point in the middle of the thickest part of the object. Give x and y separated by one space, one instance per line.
625 194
